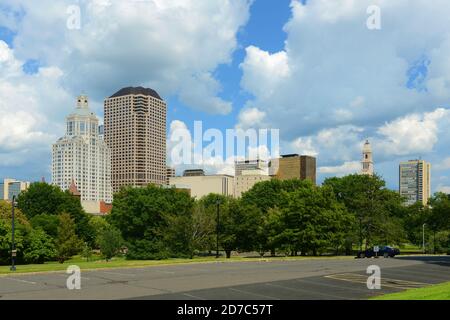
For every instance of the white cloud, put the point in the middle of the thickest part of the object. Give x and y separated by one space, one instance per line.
172 46
250 118
414 133
444 189
263 71
344 169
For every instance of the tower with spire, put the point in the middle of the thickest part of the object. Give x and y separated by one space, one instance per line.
367 161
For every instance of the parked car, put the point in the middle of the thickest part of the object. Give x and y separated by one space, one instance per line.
384 251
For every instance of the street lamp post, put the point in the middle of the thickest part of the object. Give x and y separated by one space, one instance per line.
217 228
423 237
13 244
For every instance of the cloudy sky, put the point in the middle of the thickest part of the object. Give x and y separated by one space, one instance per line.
311 68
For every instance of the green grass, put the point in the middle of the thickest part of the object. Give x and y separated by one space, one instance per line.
434 292
120 262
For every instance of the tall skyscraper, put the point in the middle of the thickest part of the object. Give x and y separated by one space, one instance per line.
367 161
415 181
294 166
82 157
135 131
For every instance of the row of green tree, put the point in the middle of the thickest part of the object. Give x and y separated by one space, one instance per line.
51 225
291 217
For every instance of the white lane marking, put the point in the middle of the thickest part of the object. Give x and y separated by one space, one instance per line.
192 296
166 272
19 280
252 293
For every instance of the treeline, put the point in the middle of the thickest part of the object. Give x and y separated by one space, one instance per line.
51 225
290 217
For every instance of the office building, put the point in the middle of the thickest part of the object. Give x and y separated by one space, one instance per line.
294 166
202 185
247 179
415 181
12 187
81 157
135 131
367 161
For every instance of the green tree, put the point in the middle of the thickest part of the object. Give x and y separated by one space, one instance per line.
5 241
110 241
47 222
188 234
313 221
42 198
67 243
141 216
377 210
5 214
39 247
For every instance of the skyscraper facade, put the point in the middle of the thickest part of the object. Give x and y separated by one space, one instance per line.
415 181
135 131
82 157
367 161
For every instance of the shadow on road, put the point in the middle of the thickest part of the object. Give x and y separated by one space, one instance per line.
439 260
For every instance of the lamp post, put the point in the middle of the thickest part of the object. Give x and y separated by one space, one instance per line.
217 228
13 244
423 237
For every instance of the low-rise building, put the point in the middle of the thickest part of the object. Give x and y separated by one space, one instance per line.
203 185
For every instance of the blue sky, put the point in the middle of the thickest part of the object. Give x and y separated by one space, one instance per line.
310 68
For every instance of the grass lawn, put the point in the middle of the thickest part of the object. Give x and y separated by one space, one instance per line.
120 262
434 292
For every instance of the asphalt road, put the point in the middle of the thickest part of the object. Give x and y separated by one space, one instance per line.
258 280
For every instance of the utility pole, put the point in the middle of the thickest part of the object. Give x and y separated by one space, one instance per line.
13 244
217 228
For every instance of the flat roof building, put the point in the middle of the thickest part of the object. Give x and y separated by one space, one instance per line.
203 185
294 166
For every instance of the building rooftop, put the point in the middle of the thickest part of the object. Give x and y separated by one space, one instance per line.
136 90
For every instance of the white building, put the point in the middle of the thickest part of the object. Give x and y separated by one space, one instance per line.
82 156
200 186
367 161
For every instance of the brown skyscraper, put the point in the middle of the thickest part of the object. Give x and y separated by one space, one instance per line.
135 131
293 166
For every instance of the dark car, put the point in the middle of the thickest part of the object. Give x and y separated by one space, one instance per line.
384 251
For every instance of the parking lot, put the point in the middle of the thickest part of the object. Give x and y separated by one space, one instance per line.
330 278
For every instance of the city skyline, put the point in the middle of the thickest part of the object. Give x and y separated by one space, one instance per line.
389 89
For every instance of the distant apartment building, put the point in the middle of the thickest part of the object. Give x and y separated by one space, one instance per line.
10 188
202 185
247 179
294 166
415 181
367 161
135 131
82 157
